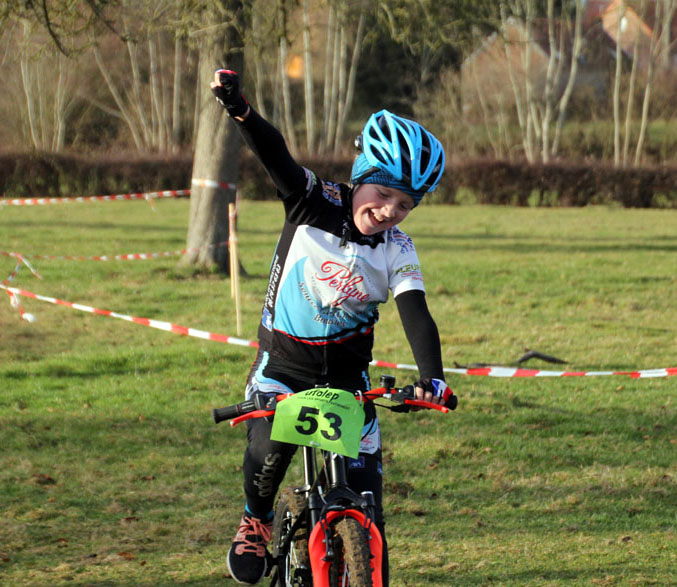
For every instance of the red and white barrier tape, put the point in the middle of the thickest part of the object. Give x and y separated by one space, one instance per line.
486 371
521 372
208 183
128 257
211 183
21 259
159 324
14 299
80 199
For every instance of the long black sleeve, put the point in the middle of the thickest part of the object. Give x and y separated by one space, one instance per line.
270 149
421 332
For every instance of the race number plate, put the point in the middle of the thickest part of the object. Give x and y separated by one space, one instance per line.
330 419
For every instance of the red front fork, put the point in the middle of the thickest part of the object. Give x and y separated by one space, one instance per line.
318 548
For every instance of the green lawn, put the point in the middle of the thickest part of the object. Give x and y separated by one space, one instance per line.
113 474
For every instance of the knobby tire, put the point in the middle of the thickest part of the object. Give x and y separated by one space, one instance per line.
293 563
352 565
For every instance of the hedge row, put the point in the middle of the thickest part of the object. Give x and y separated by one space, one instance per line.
56 175
565 184
473 181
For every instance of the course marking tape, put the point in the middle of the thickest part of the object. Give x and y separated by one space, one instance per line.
211 183
159 324
14 299
127 257
194 332
521 372
21 259
130 196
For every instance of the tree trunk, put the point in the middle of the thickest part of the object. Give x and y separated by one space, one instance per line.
532 120
136 83
328 60
644 121
308 82
352 74
259 71
176 93
154 88
340 94
28 93
666 44
330 113
119 101
573 72
216 160
617 87
286 97
552 77
631 90
521 104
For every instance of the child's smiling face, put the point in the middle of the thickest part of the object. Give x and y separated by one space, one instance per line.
377 208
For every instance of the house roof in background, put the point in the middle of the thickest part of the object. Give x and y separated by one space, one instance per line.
632 28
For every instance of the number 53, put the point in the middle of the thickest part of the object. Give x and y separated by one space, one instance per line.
309 424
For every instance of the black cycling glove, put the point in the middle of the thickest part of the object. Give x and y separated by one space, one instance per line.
439 388
226 89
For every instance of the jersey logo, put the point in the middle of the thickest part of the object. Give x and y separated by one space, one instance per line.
403 240
331 192
342 279
267 319
410 270
311 180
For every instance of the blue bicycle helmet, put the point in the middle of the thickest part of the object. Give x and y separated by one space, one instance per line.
399 153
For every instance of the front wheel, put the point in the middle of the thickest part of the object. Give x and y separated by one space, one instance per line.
352 565
290 551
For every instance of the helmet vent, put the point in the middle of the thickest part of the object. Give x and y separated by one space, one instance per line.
404 149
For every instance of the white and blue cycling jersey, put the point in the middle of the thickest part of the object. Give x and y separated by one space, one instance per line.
326 280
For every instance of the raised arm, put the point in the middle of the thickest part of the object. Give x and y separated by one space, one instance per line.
265 141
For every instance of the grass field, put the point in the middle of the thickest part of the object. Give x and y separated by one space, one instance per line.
113 474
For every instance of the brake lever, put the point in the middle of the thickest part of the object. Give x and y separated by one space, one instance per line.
424 404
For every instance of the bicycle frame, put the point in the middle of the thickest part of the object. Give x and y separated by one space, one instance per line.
322 510
325 510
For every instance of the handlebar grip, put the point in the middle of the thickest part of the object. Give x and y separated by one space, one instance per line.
230 412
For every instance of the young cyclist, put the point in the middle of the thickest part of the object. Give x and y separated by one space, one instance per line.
339 255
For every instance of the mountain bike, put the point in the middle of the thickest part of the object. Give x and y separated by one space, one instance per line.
324 532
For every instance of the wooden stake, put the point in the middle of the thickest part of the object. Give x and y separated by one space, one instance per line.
234 266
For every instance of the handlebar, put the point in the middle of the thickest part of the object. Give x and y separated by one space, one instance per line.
258 402
263 405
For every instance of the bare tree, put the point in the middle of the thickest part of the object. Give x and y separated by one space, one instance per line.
308 89
630 102
617 83
518 51
143 101
346 97
666 10
571 81
177 87
658 48
329 92
217 146
63 21
536 78
341 70
288 117
49 90
328 77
